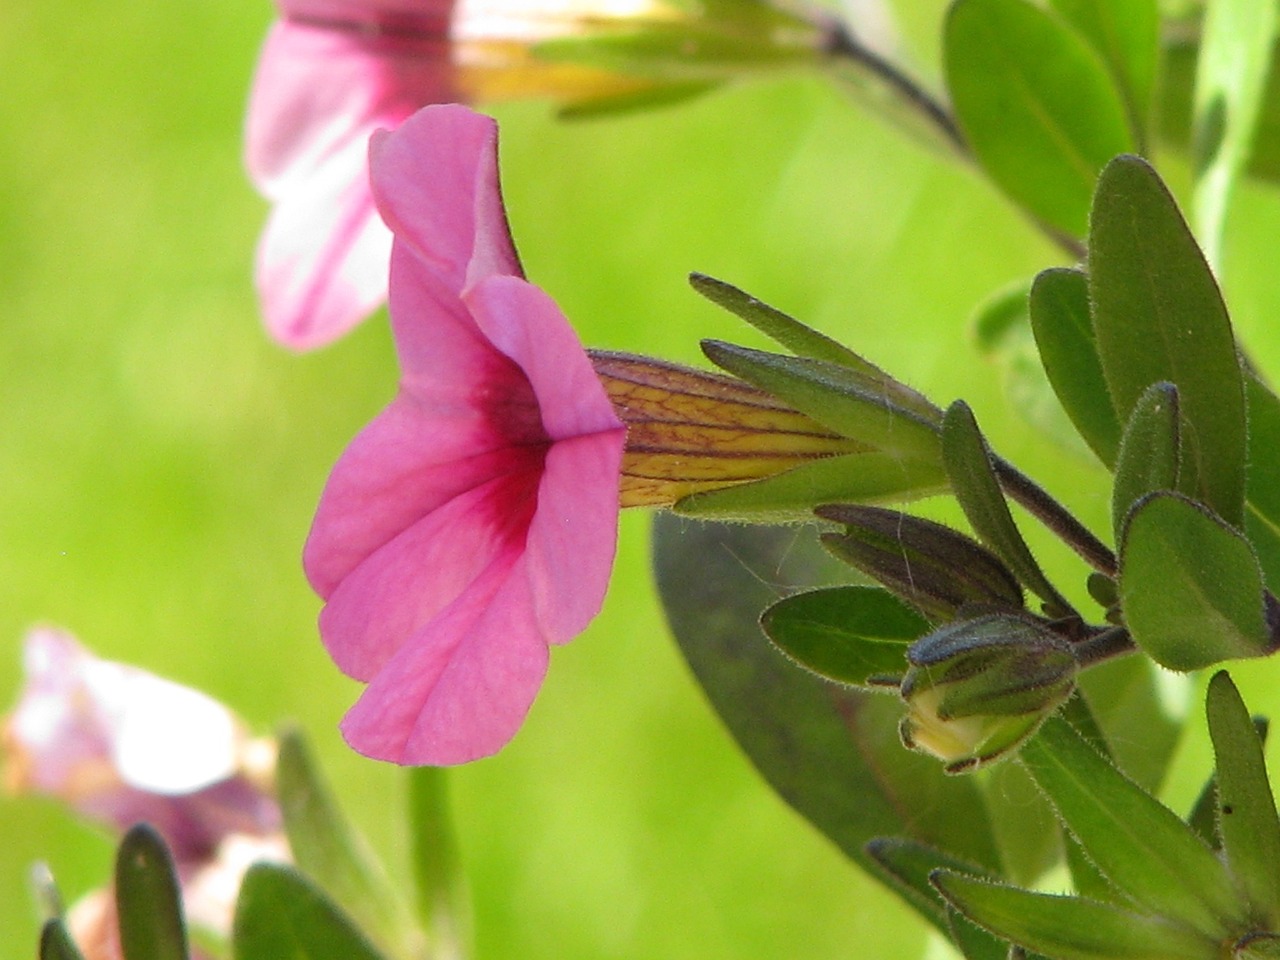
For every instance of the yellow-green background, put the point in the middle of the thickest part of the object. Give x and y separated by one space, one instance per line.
160 458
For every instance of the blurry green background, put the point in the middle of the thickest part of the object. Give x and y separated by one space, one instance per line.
160 459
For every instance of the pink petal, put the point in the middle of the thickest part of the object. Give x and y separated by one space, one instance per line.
318 96
435 180
461 686
572 539
524 323
404 584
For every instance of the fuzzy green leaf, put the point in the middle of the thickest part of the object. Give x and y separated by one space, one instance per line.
1063 330
1190 586
1126 34
281 915
1150 452
973 481
1071 928
1158 316
148 898
847 634
831 752
1036 103
905 865
1138 843
1247 820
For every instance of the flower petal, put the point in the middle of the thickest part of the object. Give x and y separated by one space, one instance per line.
404 584
436 184
462 685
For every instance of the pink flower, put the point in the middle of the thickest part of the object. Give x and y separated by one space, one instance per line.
473 522
120 745
334 71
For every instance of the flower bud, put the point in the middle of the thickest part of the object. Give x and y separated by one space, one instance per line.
978 688
690 431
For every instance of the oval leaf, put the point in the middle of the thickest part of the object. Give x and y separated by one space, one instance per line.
1150 451
148 898
1063 330
280 915
1037 105
1190 586
831 752
852 635
1158 316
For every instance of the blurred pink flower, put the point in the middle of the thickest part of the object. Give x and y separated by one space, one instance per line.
334 71
120 745
473 522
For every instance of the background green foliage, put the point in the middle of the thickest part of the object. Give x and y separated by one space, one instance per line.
159 458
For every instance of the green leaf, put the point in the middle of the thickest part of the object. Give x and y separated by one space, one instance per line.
1139 844
1158 316
1071 928
1150 452
281 915
329 851
1063 330
1037 105
835 396
56 943
1235 54
1247 820
438 878
1126 34
1190 586
975 943
973 481
831 752
148 898
1262 510
854 635
932 567
792 495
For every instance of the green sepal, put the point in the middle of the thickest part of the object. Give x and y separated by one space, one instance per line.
853 635
790 497
1140 845
976 488
148 898
1190 586
329 851
1262 510
1037 105
1126 35
1070 928
1247 821
1236 48
280 913
1063 330
56 943
834 395
831 752
633 101
1158 316
1150 452
1260 946
930 566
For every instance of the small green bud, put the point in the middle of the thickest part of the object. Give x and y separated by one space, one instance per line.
977 688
